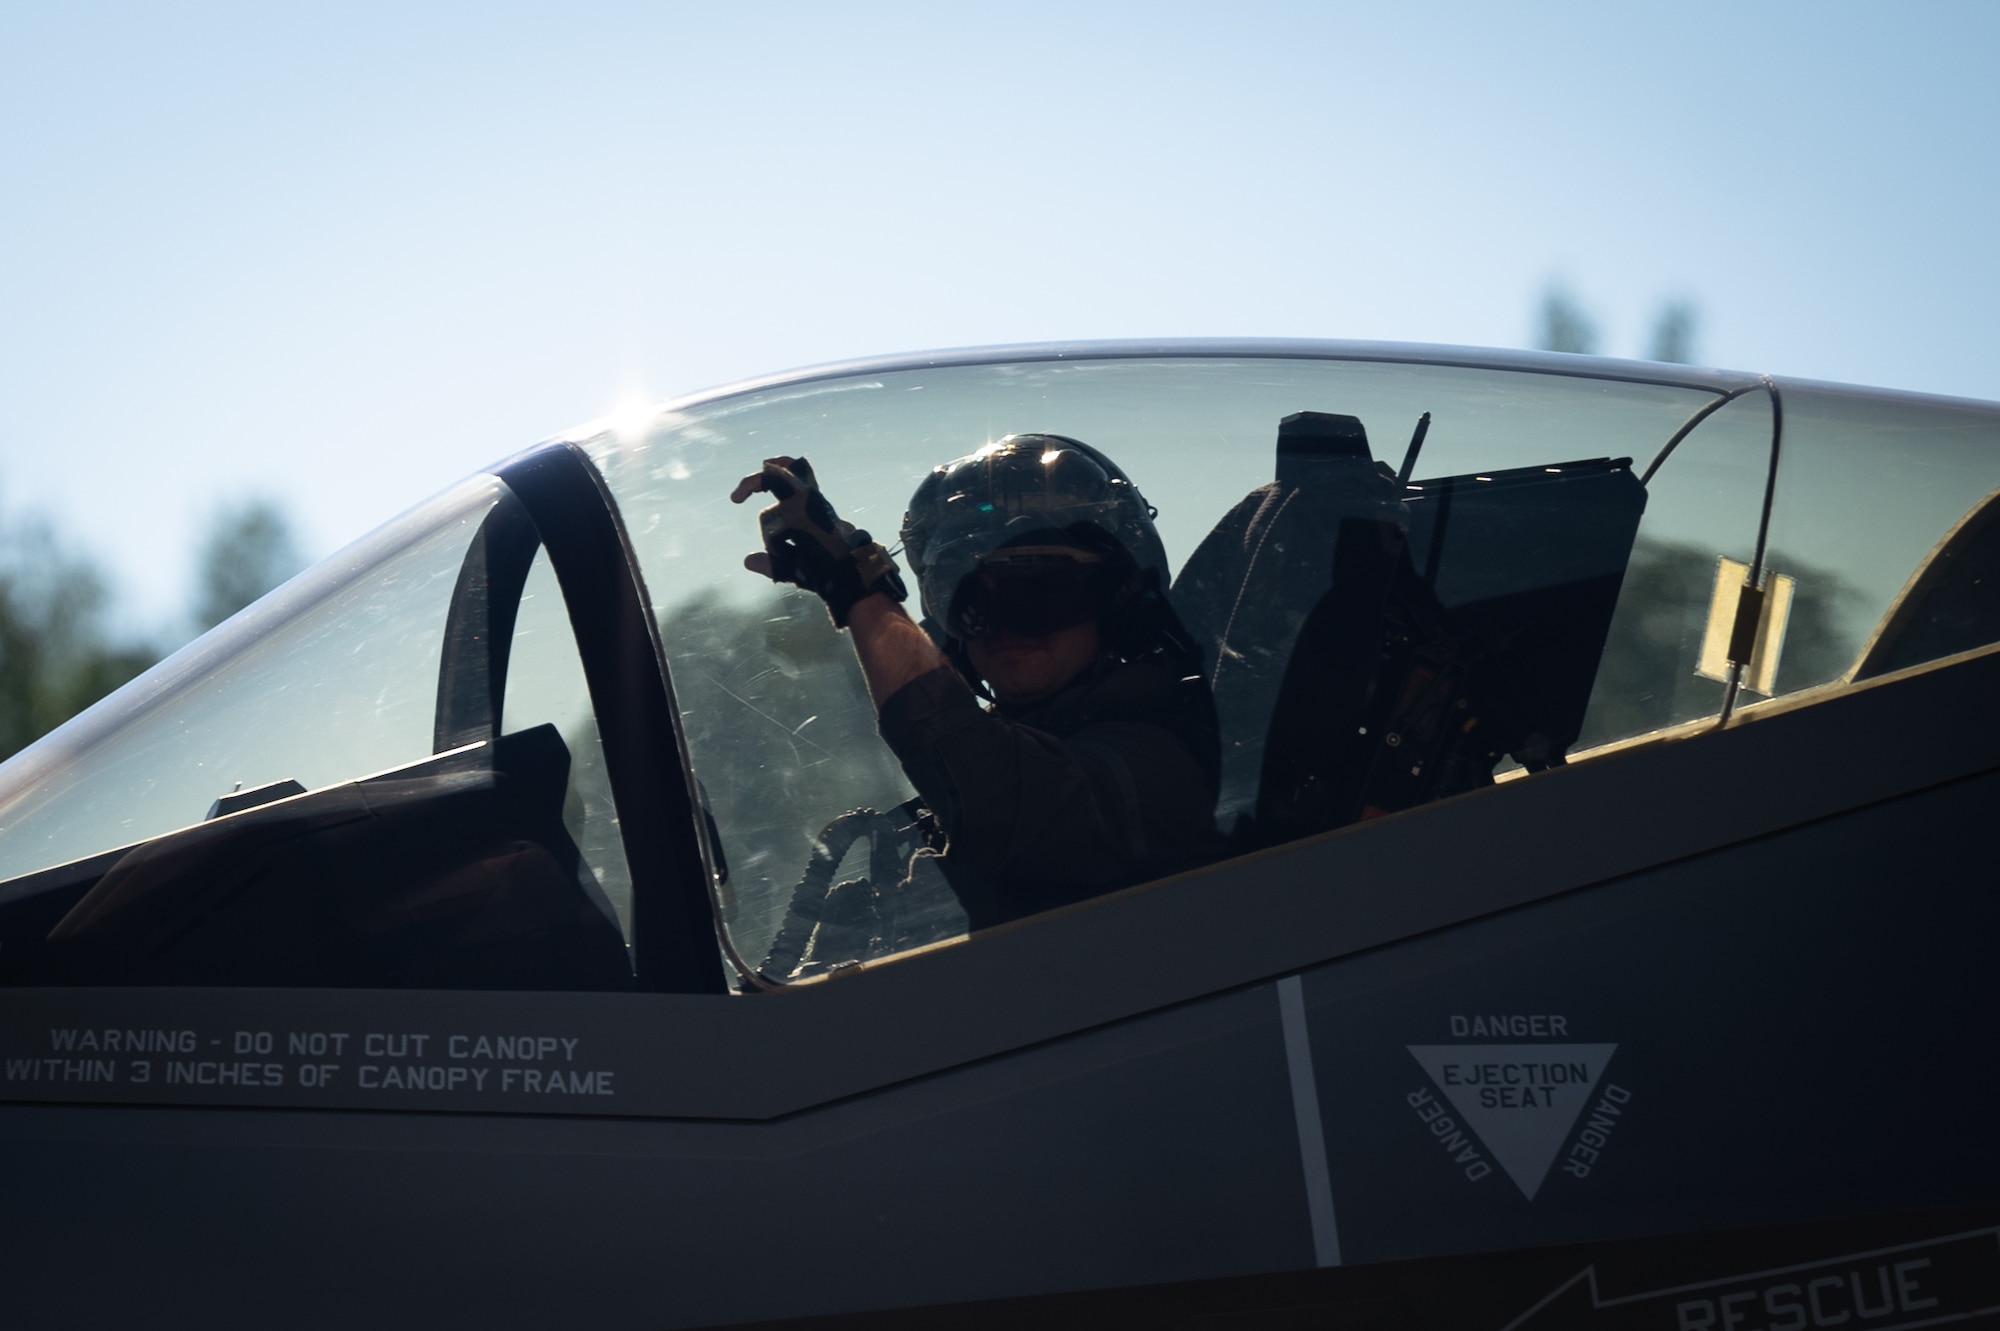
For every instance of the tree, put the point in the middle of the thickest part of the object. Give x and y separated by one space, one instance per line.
248 551
1561 325
1673 334
55 658
1564 326
783 736
1646 679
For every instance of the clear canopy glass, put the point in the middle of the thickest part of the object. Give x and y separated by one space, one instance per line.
329 678
1576 536
779 726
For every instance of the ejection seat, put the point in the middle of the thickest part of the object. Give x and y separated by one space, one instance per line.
1376 643
1247 590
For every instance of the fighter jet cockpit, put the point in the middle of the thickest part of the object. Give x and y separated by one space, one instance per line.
546 732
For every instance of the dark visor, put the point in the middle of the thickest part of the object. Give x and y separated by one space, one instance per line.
1030 590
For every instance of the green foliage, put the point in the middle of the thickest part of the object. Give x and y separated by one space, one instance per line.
57 655
1563 326
1673 334
782 735
1823 637
54 657
1646 679
248 551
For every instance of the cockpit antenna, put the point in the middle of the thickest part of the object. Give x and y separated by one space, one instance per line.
1416 446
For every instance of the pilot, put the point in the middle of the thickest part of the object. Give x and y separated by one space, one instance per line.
1054 718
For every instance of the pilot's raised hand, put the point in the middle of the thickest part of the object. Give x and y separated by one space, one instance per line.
808 545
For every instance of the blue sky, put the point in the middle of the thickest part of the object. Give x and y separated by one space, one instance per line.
342 255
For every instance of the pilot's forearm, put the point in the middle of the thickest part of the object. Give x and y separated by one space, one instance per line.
892 648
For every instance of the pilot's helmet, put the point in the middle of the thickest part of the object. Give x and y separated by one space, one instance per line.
1033 534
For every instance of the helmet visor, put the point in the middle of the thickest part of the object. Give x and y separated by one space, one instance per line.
1019 495
1030 589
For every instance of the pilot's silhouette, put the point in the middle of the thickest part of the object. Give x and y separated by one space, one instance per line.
1043 586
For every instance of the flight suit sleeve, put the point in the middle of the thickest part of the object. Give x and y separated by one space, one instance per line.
1036 821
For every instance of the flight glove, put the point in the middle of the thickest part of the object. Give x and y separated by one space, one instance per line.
808 545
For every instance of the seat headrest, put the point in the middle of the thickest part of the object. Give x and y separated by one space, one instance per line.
1307 438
